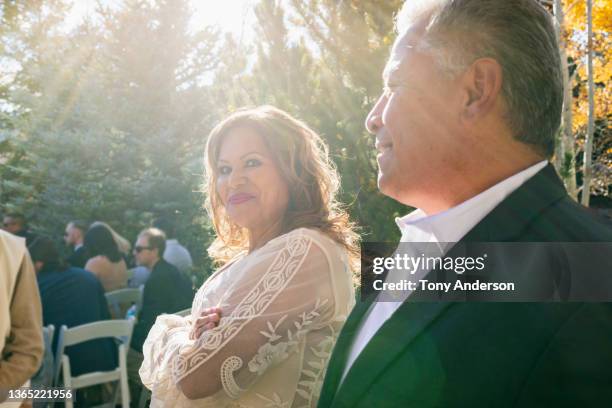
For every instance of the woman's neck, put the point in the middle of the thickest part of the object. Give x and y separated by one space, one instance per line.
258 237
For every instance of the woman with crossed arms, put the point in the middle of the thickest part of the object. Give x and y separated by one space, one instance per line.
262 327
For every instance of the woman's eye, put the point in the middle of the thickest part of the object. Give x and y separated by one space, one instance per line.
224 170
252 163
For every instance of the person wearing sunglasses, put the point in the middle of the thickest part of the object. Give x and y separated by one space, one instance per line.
166 291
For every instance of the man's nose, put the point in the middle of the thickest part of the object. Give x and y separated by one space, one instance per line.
373 121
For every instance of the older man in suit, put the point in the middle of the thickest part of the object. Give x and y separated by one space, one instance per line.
464 129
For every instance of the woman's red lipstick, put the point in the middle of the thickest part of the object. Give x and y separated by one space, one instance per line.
240 198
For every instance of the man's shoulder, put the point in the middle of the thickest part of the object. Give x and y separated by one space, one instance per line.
12 251
80 275
79 279
164 266
78 256
566 220
80 250
162 271
9 241
167 276
540 210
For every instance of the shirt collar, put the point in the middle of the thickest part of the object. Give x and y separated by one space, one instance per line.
452 224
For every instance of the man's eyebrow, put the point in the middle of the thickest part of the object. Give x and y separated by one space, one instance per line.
393 64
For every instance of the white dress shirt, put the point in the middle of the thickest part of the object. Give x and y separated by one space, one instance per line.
447 226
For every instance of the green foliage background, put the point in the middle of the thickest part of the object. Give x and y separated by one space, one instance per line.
108 120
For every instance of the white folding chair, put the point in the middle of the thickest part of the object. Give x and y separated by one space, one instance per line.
118 329
48 358
120 300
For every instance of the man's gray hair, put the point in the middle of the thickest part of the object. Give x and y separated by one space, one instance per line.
520 36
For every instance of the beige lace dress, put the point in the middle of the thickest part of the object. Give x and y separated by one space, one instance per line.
282 309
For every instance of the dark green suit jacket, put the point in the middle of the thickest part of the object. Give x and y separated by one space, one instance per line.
443 354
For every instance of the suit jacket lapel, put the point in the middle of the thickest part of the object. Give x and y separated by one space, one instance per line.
341 351
391 339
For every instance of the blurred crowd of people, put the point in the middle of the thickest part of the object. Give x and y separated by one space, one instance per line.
72 291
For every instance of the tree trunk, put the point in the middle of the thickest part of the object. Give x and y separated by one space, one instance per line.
588 143
565 152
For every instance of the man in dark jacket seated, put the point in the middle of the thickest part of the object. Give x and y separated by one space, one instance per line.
166 291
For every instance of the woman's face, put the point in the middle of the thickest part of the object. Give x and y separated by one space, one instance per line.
249 183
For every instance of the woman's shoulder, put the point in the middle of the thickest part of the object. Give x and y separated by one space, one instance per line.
102 261
99 260
302 233
302 236
121 265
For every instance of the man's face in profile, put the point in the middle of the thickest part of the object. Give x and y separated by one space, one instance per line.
413 120
143 253
11 225
70 235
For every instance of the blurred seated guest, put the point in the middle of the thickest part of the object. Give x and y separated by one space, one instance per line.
73 237
166 291
16 224
21 341
123 244
72 297
175 253
106 261
138 276
262 327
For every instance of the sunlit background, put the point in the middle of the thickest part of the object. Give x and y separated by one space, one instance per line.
105 104
231 16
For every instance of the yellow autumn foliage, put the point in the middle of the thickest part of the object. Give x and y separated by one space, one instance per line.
575 34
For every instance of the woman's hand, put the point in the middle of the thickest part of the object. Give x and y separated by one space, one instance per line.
209 319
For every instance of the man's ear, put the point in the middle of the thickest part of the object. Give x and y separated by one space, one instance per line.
481 87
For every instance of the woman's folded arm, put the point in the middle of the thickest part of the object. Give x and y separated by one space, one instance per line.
285 293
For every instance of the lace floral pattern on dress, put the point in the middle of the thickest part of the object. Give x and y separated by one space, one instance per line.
284 306
272 282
